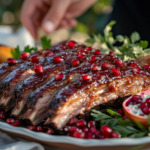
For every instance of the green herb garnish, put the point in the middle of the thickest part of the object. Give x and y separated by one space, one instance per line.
46 43
130 49
125 127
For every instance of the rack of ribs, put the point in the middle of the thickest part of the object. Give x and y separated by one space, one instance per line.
26 70
75 79
104 85
24 89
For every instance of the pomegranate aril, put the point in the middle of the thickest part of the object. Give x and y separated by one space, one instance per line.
32 128
95 67
133 103
120 111
106 131
59 76
93 130
50 131
118 62
128 103
3 115
143 105
24 56
147 100
138 101
97 52
93 59
10 120
57 59
146 110
79 135
146 67
91 124
11 61
81 123
135 97
35 59
115 72
90 136
16 123
86 77
40 129
115 135
133 63
71 43
75 62
83 51
99 135
136 70
124 117
75 129
48 54
38 69
72 121
111 53
105 65
81 57
85 130
62 47
89 48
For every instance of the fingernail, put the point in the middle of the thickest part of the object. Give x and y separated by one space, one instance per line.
48 26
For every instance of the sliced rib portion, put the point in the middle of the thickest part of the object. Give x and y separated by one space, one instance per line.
25 71
104 86
10 83
39 100
6 68
29 85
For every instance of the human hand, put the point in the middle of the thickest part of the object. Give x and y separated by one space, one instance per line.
52 14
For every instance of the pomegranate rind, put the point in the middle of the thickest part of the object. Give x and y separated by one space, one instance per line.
135 118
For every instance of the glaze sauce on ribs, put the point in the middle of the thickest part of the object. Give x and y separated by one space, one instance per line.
74 79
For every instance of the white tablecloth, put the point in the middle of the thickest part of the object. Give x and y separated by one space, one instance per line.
8 142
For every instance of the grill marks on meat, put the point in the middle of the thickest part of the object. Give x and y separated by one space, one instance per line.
14 78
6 68
29 85
41 98
82 96
26 70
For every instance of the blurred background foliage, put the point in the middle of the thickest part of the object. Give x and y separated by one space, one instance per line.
92 21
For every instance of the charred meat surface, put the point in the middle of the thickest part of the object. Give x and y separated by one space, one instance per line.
26 70
103 86
41 98
25 88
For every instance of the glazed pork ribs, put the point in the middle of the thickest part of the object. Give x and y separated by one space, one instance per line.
27 69
35 81
38 101
71 79
99 87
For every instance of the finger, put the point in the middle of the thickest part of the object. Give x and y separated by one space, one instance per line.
67 23
79 7
26 18
73 22
55 15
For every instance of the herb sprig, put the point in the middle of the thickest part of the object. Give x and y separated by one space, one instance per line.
131 47
46 43
125 127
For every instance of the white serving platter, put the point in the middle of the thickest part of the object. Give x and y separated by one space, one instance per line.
66 142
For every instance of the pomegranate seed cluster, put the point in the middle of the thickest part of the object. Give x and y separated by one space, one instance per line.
88 130
139 105
75 128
